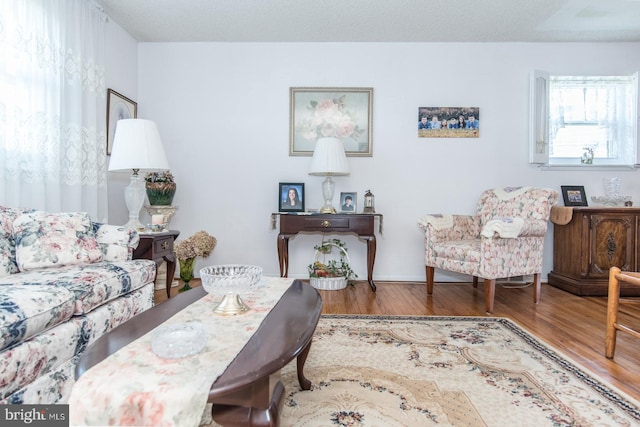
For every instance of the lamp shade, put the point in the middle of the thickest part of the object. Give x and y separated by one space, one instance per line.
329 158
137 145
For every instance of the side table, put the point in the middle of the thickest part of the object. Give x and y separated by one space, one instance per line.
360 224
159 247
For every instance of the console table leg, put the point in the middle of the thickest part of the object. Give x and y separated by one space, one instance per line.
283 255
371 259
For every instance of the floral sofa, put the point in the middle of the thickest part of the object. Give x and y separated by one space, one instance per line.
64 282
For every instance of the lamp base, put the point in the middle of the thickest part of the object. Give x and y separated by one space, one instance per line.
327 209
135 224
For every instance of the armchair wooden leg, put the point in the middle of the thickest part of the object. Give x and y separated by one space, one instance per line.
489 294
536 288
475 281
430 274
612 312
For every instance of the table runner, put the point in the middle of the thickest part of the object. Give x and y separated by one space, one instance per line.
135 387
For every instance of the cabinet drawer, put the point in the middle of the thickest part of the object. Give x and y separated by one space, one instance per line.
163 245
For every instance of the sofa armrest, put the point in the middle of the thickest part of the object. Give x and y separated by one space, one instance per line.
116 242
450 227
512 228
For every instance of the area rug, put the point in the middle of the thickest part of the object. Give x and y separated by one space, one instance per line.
444 371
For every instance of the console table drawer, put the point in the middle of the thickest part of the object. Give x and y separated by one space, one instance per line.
324 223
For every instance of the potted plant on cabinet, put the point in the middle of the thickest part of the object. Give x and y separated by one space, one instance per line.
331 274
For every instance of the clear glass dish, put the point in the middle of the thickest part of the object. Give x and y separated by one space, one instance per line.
230 278
611 200
178 340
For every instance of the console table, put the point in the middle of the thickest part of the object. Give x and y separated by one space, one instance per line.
360 224
159 247
596 239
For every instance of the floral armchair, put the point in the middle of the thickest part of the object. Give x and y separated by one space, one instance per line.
505 238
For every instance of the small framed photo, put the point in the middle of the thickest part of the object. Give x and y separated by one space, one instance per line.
574 195
118 107
348 202
291 197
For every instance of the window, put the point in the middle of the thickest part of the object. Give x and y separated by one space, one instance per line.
584 120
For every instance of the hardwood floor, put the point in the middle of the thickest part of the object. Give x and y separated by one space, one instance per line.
574 326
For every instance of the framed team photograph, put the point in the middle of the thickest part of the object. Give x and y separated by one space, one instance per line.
574 195
291 197
448 122
348 202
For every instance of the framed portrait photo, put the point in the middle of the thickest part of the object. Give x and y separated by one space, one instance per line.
118 107
574 195
348 202
291 197
332 112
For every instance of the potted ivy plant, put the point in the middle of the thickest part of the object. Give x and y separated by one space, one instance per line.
332 274
161 188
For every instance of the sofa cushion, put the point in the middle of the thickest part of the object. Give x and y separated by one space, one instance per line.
46 239
27 310
90 284
7 243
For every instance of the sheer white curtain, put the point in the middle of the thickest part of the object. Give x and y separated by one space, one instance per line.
52 106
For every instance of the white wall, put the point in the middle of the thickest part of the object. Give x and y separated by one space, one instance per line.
223 113
122 76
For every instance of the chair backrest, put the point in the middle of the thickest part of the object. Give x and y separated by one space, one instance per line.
516 202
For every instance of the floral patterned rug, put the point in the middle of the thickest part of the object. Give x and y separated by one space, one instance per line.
445 371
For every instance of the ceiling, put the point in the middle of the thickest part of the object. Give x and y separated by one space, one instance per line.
377 20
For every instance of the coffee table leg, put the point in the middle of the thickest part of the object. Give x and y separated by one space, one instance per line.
305 384
240 416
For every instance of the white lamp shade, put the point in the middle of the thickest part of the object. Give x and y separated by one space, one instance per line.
137 145
329 158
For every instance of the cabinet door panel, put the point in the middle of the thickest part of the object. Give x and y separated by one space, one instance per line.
612 244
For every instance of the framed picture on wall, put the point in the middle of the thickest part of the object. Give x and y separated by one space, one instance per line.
574 195
448 122
332 112
348 202
118 107
291 197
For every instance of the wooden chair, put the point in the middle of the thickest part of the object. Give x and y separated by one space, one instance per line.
613 303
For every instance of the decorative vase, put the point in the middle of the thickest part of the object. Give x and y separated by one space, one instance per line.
186 272
160 193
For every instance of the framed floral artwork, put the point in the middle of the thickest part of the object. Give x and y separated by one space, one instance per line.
343 113
291 197
118 107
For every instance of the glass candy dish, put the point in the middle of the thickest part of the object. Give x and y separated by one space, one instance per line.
232 280
610 200
178 340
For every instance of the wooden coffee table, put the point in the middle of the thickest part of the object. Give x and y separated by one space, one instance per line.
249 391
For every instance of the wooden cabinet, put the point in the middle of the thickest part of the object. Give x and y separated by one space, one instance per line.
159 247
593 241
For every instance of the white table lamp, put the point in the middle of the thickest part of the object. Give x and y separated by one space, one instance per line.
329 159
136 146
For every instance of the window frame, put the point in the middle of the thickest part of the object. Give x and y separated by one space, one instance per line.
539 128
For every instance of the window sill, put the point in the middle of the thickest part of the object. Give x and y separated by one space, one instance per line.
588 167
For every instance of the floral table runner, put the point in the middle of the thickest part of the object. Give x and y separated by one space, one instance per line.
135 387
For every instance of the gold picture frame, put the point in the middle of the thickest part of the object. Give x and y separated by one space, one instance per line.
118 107
343 113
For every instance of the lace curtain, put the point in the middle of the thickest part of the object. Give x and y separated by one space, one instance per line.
606 102
52 106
